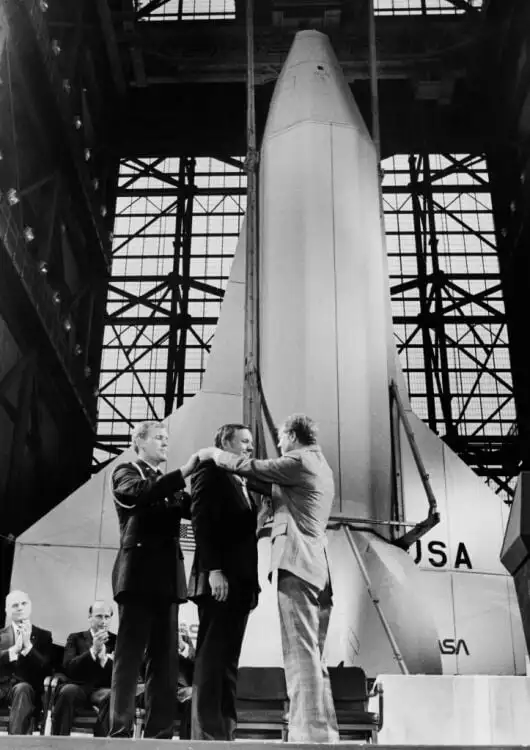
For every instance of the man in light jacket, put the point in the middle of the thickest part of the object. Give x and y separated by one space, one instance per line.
302 495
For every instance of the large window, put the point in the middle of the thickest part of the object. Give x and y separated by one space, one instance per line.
186 10
201 10
424 7
176 229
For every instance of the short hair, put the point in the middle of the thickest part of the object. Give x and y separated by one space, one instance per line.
100 601
227 432
13 594
141 431
303 427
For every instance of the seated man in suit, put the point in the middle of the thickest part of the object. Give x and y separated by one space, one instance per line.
25 660
88 658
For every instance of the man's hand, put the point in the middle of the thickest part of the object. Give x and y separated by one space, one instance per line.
19 643
219 585
190 465
26 636
98 646
207 454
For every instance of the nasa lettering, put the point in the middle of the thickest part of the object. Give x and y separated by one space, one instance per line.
436 554
453 646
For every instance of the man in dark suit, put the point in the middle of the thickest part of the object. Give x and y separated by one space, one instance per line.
87 662
223 583
25 660
148 581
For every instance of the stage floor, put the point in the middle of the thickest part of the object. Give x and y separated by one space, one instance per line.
87 742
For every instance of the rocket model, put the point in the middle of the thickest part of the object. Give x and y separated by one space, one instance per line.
326 349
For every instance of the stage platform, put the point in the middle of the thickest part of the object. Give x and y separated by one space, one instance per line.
90 743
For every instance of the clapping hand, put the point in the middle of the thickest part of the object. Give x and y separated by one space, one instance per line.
26 636
19 642
100 638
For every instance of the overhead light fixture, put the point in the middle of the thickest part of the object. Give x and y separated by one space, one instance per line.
12 197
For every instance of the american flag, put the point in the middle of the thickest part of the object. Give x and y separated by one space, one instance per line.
187 540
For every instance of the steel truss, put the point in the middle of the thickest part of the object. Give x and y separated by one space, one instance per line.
177 223
448 306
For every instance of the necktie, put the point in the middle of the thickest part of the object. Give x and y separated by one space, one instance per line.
243 483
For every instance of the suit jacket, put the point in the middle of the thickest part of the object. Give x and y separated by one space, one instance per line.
150 505
224 525
31 668
80 667
302 496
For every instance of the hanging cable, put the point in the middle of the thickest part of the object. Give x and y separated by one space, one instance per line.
251 409
374 92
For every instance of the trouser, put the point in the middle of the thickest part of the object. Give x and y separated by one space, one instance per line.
304 619
219 640
150 627
20 697
71 698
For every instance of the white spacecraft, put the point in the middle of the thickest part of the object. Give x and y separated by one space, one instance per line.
326 348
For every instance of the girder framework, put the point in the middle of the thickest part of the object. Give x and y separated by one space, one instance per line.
177 224
176 228
448 306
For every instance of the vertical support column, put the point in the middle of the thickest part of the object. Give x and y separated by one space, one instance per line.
510 194
443 364
185 276
180 278
419 231
251 406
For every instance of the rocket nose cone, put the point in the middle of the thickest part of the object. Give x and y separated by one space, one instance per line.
312 88
310 46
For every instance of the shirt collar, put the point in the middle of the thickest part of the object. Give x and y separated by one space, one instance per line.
17 626
156 469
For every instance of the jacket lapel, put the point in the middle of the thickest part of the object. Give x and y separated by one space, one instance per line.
87 637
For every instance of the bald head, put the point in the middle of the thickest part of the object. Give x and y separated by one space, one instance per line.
99 615
18 606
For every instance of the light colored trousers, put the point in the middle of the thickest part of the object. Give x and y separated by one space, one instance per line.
304 620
